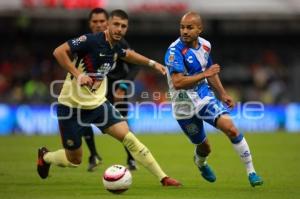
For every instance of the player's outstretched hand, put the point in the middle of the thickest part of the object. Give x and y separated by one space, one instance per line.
214 69
228 100
85 80
160 68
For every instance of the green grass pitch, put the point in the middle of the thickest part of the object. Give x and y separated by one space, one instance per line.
276 157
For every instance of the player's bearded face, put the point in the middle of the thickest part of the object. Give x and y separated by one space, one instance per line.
117 28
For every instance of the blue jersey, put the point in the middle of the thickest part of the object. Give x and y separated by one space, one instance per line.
181 59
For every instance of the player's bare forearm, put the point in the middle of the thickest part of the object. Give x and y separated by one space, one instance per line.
185 82
136 58
62 55
216 84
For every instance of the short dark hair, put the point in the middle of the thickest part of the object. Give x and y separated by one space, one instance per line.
119 13
98 11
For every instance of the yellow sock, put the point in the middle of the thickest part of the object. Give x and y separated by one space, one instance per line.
142 154
58 158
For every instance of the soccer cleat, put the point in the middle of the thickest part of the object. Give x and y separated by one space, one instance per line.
255 180
94 161
167 181
207 173
131 164
42 166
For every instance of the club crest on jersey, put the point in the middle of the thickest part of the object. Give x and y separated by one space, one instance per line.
171 58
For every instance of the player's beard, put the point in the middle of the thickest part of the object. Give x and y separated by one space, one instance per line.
188 40
113 37
117 37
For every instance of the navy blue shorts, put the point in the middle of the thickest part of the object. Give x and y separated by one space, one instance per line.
193 127
74 122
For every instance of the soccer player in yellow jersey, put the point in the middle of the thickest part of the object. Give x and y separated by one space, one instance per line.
116 89
82 99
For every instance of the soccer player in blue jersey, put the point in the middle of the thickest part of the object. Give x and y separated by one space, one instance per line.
82 99
198 95
98 22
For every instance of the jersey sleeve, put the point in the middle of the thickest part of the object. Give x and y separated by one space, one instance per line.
80 44
132 68
120 50
174 61
124 44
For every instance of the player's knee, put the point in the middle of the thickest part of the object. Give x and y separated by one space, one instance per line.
232 132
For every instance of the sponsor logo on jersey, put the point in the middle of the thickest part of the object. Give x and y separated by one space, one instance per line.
190 59
206 48
103 70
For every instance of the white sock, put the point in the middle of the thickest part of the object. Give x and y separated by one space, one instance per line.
243 151
199 160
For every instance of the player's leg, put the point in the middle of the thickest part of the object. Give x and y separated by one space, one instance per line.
225 124
118 128
140 152
61 157
193 129
71 154
94 158
123 108
217 115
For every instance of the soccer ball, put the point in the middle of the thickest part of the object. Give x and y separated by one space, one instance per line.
117 179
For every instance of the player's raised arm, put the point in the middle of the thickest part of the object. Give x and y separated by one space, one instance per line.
62 55
138 59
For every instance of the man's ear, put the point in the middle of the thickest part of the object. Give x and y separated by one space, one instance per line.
200 28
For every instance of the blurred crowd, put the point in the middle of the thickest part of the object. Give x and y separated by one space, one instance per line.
265 80
26 76
253 73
